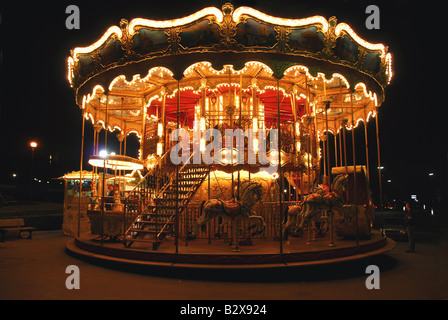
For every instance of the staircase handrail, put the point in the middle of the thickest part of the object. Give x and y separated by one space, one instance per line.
145 176
160 194
179 208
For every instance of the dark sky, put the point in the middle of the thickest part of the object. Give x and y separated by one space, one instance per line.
37 102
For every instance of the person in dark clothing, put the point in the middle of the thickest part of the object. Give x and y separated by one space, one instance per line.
410 226
110 197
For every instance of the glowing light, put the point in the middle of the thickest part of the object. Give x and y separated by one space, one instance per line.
346 28
239 12
114 30
210 11
202 145
116 162
202 124
160 129
33 144
255 145
159 148
255 125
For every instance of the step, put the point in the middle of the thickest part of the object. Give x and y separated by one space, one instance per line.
151 231
155 243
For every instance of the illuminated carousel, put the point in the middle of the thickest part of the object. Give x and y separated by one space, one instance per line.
290 85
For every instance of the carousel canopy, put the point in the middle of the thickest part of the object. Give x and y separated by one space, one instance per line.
116 162
143 69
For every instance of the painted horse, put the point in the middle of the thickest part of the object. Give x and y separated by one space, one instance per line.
250 193
314 203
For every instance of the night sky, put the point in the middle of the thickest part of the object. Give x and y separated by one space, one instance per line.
38 103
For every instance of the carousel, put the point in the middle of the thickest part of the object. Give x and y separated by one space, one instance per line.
242 120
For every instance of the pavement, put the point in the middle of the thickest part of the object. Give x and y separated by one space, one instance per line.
36 270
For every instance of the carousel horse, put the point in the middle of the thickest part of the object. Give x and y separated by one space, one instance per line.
250 193
313 204
319 224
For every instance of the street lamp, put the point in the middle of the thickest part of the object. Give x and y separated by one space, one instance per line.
33 145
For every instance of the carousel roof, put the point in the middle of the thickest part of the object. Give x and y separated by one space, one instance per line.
139 63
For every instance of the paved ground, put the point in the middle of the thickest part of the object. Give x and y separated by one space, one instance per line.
35 269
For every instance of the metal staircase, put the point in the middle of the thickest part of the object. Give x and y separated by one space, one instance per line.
158 215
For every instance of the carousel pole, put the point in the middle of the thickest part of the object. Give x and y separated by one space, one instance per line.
104 170
239 124
340 130
354 169
335 146
328 179
176 239
367 146
280 176
80 173
345 145
162 119
124 147
379 171
309 132
340 146
327 140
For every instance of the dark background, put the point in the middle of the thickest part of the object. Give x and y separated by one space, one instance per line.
38 103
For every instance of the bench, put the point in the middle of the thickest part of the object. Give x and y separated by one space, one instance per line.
14 228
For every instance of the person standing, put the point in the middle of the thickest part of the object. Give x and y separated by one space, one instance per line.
410 227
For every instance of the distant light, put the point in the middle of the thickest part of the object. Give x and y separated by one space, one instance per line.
33 144
103 153
14 175
432 211
389 181
380 168
112 153
431 174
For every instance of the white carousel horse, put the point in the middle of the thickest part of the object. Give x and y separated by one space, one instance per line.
250 193
313 204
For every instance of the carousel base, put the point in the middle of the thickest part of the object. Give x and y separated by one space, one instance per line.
262 254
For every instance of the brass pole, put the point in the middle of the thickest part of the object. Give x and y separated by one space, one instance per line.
367 147
379 171
340 130
354 169
345 146
163 117
104 170
176 240
280 177
142 144
335 147
80 174
309 132
239 142
341 163
327 140
327 151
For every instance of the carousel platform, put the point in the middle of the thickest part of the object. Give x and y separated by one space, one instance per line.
200 254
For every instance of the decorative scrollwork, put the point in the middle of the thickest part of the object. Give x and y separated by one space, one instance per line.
228 27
